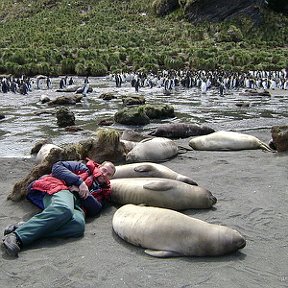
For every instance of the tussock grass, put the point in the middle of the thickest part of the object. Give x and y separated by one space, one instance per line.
87 37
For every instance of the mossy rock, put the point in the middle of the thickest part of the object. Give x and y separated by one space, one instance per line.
65 117
132 116
133 100
280 137
159 111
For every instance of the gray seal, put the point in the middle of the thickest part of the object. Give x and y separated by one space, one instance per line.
180 130
227 141
160 192
168 233
149 169
158 149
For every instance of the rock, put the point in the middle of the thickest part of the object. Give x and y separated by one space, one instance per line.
65 117
107 96
44 99
221 10
132 116
133 100
66 100
73 129
106 122
242 104
265 93
159 111
280 137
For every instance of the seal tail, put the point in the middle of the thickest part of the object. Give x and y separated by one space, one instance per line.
182 149
265 147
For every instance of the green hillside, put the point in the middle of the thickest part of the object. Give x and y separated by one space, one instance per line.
97 37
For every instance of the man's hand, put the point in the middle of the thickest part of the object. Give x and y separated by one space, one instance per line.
83 190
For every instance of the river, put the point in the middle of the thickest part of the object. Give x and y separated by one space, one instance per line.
27 120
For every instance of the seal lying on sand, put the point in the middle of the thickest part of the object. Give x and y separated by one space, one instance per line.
158 149
160 192
181 130
168 233
226 140
149 169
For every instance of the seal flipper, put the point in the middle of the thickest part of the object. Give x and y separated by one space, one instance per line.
158 185
162 253
143 168
264 146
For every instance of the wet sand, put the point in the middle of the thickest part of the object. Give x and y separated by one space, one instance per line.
251 188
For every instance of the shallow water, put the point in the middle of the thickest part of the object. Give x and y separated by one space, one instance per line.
23 126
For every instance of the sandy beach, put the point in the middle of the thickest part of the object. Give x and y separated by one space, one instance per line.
251 188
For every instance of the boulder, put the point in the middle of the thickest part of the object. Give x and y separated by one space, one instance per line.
66 100
65 117
221 10
280 137
132 116
133 100
159 111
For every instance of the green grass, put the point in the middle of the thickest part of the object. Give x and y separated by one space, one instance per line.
97 37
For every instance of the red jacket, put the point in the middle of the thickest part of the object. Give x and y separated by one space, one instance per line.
67 173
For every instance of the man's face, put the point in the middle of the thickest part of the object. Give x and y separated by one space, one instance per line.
107 172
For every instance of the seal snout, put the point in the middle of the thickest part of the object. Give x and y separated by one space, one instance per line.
213 199
242 243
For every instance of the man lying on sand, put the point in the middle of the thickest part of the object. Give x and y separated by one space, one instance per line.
72 191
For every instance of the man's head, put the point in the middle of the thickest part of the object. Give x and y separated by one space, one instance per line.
107 169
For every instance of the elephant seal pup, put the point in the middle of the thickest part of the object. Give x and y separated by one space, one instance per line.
168 233
181 130
160 192
131 135
226 140
129 145
149 169
158 149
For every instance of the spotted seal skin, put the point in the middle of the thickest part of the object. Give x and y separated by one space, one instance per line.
160 192
180 130
149 169
168 233
227 141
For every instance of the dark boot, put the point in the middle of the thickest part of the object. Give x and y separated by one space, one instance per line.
12 244
12 227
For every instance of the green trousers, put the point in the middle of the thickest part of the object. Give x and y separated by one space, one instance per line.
62 218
